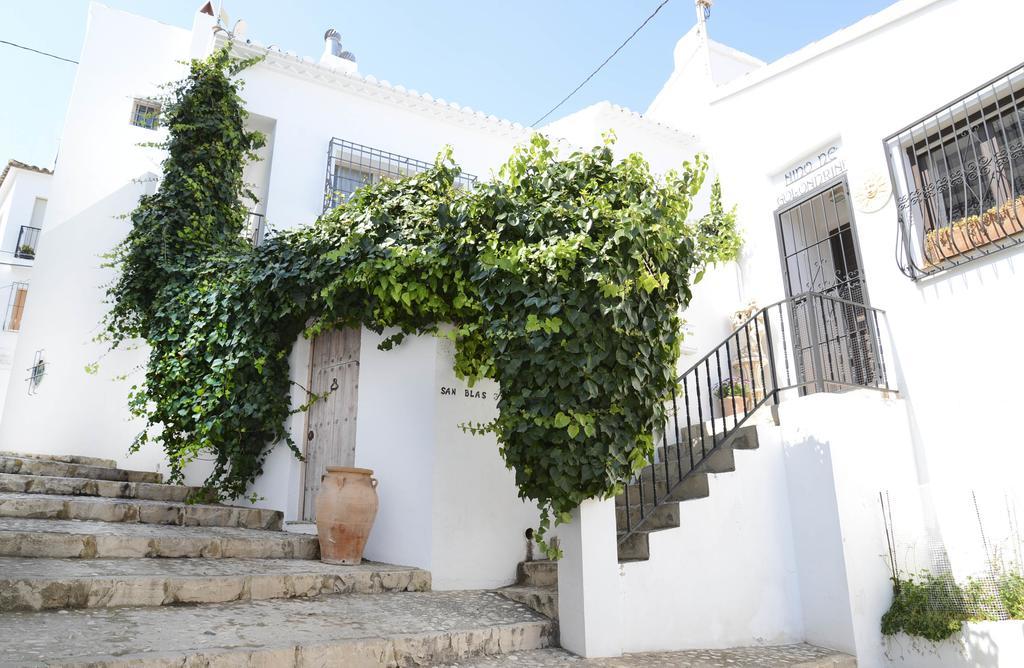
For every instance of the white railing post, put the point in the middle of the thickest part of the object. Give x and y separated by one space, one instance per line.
589 600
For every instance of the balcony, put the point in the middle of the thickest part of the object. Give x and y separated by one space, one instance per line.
959 179
28 241
351 166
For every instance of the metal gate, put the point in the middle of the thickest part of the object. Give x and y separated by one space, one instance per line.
832 339
331 421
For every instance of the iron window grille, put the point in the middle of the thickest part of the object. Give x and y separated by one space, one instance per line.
17 293
145 114
351 166
959 179
28 241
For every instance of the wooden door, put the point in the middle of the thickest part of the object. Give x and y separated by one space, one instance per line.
331 421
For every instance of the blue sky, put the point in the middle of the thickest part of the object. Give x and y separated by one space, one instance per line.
511 58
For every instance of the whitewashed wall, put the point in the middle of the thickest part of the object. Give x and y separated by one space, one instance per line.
92 185
949 332
447 501
727 577
18 195
127 56
848 90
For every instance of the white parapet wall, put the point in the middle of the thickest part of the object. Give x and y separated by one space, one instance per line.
978 645
727 576
448 503
789 547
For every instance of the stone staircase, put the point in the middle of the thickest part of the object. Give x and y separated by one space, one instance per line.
672 480
536 586
80 584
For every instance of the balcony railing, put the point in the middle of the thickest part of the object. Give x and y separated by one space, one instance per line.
28 241
959 179
351 166
809 343
16 294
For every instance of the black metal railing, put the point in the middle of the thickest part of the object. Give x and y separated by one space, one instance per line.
805 344
28 241
17 293
351 166
959 179
255 228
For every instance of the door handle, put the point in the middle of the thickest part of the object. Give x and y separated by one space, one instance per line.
309 436
334 384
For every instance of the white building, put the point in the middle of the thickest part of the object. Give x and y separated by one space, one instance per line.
850 161
24 190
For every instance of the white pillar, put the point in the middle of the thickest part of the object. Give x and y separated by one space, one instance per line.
589 602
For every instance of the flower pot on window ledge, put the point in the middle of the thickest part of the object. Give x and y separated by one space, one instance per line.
973 232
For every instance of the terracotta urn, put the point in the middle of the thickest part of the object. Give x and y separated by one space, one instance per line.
345 509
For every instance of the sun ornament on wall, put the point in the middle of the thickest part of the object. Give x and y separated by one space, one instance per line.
872 191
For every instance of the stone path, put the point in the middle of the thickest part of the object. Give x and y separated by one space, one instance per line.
427 628
787 656
80 587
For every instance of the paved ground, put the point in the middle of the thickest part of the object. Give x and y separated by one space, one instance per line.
788 656
349 629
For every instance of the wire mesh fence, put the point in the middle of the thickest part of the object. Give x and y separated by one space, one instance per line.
972 561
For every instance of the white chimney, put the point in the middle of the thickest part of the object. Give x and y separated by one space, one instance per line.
334 57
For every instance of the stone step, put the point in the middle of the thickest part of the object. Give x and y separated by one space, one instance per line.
635 548
31 484
43 467
664 516
541 599
781 656
142 511
44 584
744 438
70 539
693 487
539 573
68 459
428 628
722 460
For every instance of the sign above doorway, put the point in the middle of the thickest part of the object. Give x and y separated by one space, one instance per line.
809 173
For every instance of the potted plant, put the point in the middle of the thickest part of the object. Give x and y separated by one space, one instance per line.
26 251
733 396
976 231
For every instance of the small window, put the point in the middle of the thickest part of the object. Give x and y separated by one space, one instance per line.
145 114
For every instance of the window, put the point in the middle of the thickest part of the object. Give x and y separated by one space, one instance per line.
351 166
145 114
38 211
959 178
17 293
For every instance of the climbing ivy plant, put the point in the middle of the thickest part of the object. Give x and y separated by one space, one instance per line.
562 279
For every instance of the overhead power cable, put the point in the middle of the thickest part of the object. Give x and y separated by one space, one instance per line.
42 53
601 66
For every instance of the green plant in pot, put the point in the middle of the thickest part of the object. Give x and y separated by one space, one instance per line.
27 251
733 395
